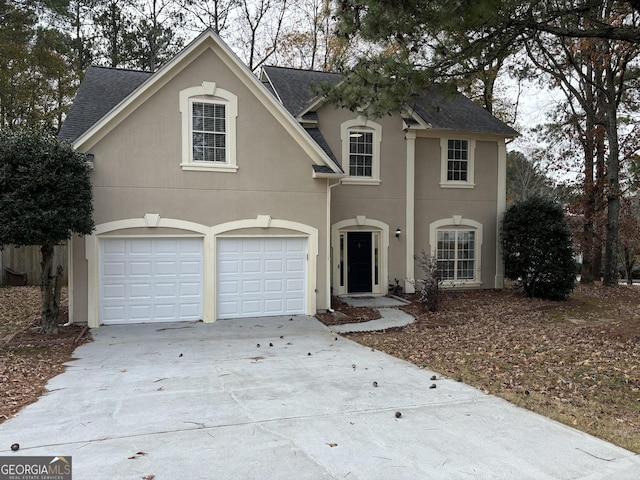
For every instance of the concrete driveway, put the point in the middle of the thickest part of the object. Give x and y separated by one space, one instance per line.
203 401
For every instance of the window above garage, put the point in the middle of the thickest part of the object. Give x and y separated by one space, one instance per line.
208 128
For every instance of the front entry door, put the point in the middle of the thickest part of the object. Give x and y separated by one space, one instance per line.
359 262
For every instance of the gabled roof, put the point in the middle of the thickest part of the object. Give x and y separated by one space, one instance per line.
294 88
437 109
100 91
107 96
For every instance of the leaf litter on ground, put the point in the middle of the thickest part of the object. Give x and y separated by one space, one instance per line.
577 361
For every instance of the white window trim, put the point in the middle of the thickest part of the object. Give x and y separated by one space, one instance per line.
457 222
208 92
364 124
444 164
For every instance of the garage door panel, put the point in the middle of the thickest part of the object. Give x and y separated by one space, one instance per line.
229 266
273 285
114 269
231 287
275 266
140 247
189 289
144 280
140 269
110 314
250 286
114 247
251 308
166 268
273 306
189 268
190 311
165 312
296 264
261 276
115 292
140 291
251 266
294 285
140 313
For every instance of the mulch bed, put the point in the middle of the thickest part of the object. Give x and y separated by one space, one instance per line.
31 336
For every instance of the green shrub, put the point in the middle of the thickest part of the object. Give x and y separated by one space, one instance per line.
537 248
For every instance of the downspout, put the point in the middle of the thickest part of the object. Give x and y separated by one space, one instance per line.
328 243
409 283
501 201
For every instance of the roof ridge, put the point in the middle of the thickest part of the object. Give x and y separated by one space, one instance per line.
120 69
310 70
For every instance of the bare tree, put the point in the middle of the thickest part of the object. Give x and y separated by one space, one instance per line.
213 14
259 28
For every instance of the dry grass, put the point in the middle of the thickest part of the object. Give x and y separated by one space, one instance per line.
577 362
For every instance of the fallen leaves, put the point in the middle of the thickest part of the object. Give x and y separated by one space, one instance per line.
30 359
529 352
137 455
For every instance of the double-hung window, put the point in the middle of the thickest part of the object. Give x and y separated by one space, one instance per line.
457 160
361 140
209 132
208 128
457 165
360 153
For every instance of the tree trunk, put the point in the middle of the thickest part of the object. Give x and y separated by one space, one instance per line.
50 289
613 191
586 273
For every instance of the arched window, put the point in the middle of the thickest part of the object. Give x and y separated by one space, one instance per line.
361 151
456 243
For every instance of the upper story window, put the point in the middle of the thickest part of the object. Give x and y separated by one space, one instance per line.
360 153
208 128
209 132
457 160
361 140
457 169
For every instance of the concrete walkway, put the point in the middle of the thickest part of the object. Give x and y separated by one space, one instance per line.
389 317
204 401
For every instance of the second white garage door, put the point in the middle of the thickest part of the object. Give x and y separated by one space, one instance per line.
260 277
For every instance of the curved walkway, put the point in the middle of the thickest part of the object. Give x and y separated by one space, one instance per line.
389 317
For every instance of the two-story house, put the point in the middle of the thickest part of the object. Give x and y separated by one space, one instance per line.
221 195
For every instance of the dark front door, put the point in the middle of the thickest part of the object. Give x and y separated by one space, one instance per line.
359 262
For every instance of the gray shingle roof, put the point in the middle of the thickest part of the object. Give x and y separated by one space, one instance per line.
101 89
436 108
317 136
453 111
295 87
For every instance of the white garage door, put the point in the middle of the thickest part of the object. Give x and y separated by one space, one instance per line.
260 277
151 280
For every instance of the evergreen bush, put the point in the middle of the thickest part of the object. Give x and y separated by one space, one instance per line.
537 249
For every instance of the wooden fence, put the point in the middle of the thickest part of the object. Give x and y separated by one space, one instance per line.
27 260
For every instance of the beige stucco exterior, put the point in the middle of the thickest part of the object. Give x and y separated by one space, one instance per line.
142 190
